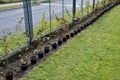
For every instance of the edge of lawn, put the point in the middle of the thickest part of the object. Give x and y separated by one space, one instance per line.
92 55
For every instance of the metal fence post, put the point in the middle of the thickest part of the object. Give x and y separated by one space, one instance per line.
28 19
93 7
63 4
74 9
82 8
50 14
87 7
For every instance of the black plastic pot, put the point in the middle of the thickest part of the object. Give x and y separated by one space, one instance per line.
72 34
91 21
24 66
107 10
102 12
75 32
82 28
59 42
78 30
9 75
85 25
33 60
99 16
40 54
54 45
88 23
64 39
96 18
46 49
67 36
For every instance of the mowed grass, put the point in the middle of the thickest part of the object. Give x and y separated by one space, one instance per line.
92 55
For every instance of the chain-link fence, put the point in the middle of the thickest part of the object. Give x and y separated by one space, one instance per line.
11 26
22 21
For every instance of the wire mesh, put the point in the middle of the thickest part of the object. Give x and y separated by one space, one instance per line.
12 27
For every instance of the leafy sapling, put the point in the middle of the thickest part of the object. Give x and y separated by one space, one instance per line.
24 64
42 26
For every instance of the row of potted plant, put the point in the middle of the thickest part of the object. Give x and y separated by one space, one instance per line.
46 50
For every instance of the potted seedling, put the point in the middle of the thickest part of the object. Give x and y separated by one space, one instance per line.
67 36
64 24
60 37
40 54
43 39
59 42
54 45
33 59
78 30
72 34
93 20
87 24
64 39
75 32
82 27
65 28
24 65
9 75
47 48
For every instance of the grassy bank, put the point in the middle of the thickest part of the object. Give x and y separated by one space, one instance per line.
92 55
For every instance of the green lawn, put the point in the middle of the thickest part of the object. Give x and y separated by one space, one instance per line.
92 55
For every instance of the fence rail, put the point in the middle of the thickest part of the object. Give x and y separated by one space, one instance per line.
22 22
